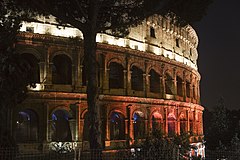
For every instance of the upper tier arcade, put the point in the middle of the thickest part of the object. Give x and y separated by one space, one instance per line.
155 35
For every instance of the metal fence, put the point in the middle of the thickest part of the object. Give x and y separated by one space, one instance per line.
13 154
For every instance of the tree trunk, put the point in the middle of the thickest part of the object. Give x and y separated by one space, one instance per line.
92 94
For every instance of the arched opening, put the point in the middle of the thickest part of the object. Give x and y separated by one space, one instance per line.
117 126
62 70
168 84
154 81
191 122
188 89
183 123
179 86
116 75
157 122
171 124
139 125
34 64
26 126
61 131
137 79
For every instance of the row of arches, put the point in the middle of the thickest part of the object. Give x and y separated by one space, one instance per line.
62 125
61 72
116 81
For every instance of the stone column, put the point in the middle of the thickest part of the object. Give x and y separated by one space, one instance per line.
129 85
145 84
125 81
130 124
73 75
108 129
49 74
166 120
178 121
198 91
184 87
42 72
106 80
48 123
148 128
174 83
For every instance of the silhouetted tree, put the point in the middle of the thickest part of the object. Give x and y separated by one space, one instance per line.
218 128
15 73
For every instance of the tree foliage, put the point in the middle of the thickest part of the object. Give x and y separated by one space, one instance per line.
15 72
162 147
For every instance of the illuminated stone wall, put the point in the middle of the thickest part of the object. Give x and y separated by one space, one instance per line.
166 96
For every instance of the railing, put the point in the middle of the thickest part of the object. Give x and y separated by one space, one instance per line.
13 154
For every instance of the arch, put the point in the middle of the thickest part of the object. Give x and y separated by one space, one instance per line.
116 76
62 70
27 126
32 51
138 65
117 126
60 126
183 123
33 61
59 53
154 81
136 78
171 124
139 124
157 122
115 60
179 86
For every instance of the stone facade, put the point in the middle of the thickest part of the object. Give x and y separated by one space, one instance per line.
147 81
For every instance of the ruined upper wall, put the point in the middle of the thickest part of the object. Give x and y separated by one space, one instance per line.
155 35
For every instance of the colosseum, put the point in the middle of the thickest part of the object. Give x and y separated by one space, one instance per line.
148 80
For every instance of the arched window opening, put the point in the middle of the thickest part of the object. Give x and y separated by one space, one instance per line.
34 64
194 92
26 126
157 123
179 86
169 84
171 124
86 127
61 131
117 126
116 75
188 89
137 79
152 32
183 123
139 125
62 70
154 82
191 123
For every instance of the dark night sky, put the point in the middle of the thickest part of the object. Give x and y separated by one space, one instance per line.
219 54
